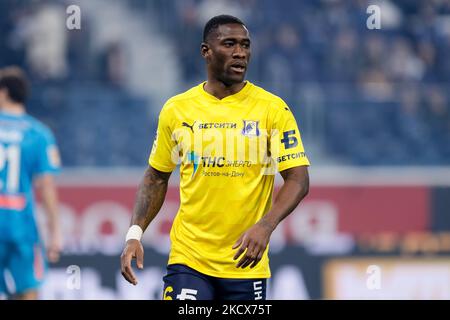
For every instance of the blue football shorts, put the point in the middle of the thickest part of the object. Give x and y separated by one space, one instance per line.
184 283
26 264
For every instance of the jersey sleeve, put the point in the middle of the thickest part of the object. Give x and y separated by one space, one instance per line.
286 146
48 157
162 156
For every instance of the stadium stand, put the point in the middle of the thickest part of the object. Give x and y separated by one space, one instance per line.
362 97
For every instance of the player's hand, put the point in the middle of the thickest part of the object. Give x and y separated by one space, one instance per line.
133 250
253 242
54 247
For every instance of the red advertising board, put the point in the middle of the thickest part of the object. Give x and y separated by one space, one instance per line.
93 214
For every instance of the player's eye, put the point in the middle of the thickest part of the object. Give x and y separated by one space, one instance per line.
228 44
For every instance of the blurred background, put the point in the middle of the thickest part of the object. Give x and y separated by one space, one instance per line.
372 106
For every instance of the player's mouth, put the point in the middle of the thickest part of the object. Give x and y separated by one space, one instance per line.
238 67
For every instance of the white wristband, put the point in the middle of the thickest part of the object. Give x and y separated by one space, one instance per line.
135 232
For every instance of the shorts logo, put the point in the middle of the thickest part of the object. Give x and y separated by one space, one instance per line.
251 128
168 290
258 290
187 294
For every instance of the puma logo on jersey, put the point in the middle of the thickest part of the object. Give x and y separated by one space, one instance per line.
185 124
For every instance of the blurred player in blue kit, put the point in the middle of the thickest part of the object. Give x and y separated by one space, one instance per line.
29 158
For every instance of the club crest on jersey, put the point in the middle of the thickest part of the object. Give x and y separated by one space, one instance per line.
251 128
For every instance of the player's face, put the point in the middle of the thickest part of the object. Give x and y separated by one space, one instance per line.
228 53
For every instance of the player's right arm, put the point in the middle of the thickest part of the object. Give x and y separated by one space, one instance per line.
149 200
45 186
151 192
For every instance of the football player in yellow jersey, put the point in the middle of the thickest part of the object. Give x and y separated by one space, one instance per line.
230 138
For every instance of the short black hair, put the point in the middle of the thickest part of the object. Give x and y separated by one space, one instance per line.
15 81
217 21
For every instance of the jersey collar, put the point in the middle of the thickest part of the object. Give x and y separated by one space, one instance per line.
237 97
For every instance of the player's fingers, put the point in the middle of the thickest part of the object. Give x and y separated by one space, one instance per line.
238 242
258 259
247 263
241 262
246 256
53 255
241 250
250 255
126 269
129 275
140 258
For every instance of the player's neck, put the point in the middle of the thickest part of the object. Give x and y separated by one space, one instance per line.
13 108
219 90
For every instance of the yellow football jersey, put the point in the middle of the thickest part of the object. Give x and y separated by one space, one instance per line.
229 151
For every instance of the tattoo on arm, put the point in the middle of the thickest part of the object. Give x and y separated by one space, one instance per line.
150 197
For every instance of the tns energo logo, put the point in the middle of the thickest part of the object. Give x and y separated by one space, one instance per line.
194 159
205 161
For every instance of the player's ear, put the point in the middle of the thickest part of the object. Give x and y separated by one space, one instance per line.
204 50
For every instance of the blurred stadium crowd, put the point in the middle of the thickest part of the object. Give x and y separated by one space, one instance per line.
362 97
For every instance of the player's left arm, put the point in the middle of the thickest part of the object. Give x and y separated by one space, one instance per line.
287 150
255 240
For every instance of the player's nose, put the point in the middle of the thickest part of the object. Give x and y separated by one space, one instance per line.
239 53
